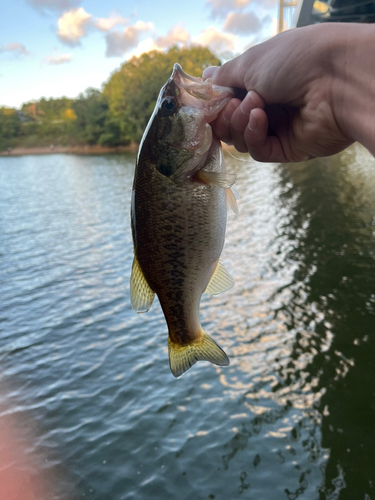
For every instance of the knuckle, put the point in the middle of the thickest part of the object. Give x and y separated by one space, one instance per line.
259 154
240 145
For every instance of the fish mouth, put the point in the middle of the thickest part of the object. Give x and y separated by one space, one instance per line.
195 86
201 94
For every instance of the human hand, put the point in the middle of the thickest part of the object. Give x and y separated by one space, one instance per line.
290 111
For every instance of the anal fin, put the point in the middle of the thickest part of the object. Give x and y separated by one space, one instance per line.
220 280
141 295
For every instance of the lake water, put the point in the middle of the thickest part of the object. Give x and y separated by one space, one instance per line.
86 381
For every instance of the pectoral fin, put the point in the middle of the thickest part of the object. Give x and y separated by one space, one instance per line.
220 280
141 295
220 179
231 197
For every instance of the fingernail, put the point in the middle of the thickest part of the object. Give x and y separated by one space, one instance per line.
247 105
227 115
209 72
253 121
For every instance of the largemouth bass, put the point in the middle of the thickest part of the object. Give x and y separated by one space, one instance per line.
178 215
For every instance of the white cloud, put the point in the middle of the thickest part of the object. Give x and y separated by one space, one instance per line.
220 8
73 25
15 48
107 23
58 59
120 43
268 4
146 45
243 23
177 35
53 4
217 41
222 44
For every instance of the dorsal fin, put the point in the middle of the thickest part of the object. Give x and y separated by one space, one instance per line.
220 280
141 295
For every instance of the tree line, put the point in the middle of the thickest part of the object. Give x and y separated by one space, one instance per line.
114 116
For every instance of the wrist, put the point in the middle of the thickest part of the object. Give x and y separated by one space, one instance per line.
353 77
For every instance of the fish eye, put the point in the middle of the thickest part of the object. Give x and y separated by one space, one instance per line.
168 106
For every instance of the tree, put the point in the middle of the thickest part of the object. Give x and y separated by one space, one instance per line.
118 115
10 124
91 113
48 110
133 90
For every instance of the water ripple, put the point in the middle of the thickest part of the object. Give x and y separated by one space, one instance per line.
101 415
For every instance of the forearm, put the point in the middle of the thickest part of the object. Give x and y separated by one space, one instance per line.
353 84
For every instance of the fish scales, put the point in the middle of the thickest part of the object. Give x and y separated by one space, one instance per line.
181 266
178 221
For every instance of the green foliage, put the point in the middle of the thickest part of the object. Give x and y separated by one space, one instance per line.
91 112
10 124
133 90
116 116
48 110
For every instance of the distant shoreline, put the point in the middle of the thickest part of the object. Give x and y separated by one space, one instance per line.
87 149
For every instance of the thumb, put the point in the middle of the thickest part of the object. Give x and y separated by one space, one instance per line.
231 74
209 72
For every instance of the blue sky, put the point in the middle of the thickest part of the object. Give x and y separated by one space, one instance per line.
53 48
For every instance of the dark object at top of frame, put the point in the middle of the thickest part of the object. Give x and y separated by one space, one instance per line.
345 11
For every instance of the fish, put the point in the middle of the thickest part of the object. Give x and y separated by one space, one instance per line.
178 215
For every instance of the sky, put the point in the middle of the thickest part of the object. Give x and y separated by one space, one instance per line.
55 48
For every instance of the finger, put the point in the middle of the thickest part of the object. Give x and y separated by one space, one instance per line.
231 74
209 72
240 119
262 147
221 126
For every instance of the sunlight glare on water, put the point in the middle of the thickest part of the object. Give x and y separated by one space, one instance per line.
87 382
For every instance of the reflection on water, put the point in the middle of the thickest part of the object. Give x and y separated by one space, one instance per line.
337 271
292 417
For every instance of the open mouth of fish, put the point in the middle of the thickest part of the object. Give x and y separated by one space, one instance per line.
200 94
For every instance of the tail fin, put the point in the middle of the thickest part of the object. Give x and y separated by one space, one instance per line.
183 357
